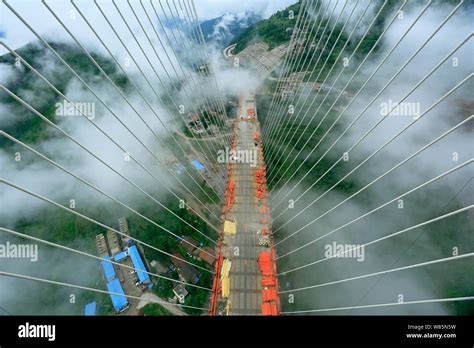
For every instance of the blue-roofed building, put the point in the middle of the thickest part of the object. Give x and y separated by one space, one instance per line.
138 264
90 308
120 302
108 269
198 165
120 256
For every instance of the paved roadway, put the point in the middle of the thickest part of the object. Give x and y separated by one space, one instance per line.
245 277
227 52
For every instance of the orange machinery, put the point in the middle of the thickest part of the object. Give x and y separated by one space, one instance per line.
269 283
230 199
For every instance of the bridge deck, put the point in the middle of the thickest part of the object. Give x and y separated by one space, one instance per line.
250 215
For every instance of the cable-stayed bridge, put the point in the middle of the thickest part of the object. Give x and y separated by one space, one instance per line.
259 186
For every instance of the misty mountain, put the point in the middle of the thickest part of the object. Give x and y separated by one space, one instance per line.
223 30
273 31
24 125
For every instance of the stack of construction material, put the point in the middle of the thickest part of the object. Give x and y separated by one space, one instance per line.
231 197
225 280
259 176
269 308
269 295
230 228
268 281
269 292
265 263
260 194
259 179
251 113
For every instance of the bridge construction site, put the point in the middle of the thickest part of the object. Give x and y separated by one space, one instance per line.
132 154
245 280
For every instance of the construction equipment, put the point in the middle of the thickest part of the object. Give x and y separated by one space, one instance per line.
268 281
269 295
269 308
265 263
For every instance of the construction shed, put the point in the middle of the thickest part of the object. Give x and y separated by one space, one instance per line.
90 308
108 268
198 165
119 301
138 264
120 256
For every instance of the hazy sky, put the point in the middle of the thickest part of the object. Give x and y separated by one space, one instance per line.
16 34
212 8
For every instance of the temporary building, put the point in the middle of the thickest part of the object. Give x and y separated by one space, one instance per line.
108 269
120 256
119 301
90 308
198 165
142 274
